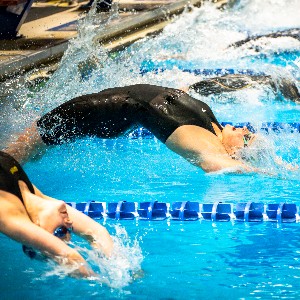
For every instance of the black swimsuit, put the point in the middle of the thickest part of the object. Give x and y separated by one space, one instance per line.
113 112
10 173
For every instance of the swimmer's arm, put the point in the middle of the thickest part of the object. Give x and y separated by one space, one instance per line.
93 232
87 228
16 225
291 167
215 163
229 165
203 149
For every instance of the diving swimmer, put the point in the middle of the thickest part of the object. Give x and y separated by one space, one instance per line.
43 224
236 82
293 33
185 125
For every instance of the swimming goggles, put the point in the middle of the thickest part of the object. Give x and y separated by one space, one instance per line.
62 231
59 232
247 138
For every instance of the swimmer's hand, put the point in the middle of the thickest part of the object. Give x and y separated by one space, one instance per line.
83 271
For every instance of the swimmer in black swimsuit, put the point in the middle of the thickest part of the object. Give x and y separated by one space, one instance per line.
10 173
42 223
113 112
186 125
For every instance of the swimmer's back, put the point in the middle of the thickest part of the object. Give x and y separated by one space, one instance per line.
10 173
115 111
106 114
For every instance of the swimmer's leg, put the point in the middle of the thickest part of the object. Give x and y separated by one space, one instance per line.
27 145
100 115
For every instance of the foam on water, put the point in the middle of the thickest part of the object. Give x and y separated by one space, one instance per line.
121 269
203 37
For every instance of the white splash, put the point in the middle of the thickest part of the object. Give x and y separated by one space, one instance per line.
118 271
199 39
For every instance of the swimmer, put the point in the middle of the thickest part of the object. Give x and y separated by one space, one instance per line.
185 125
293 33
236 82
43 224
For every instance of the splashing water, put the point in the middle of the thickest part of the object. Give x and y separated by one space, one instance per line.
197 39
267 154
125 264
118 271
202 37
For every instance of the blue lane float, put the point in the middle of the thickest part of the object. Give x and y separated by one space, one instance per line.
186 210
121 210
153 210
250 211
266 127
191 211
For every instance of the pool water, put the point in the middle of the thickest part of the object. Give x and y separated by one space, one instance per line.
145 170
178 259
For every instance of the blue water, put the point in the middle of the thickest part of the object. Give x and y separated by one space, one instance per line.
179 259
144 169
193 259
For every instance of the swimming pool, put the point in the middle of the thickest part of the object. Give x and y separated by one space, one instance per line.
179 259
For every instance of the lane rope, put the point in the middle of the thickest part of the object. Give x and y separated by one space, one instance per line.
191 211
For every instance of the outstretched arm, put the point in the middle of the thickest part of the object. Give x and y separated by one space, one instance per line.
15 223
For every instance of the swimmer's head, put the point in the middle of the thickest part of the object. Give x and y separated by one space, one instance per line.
57 220
61 232
235 139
